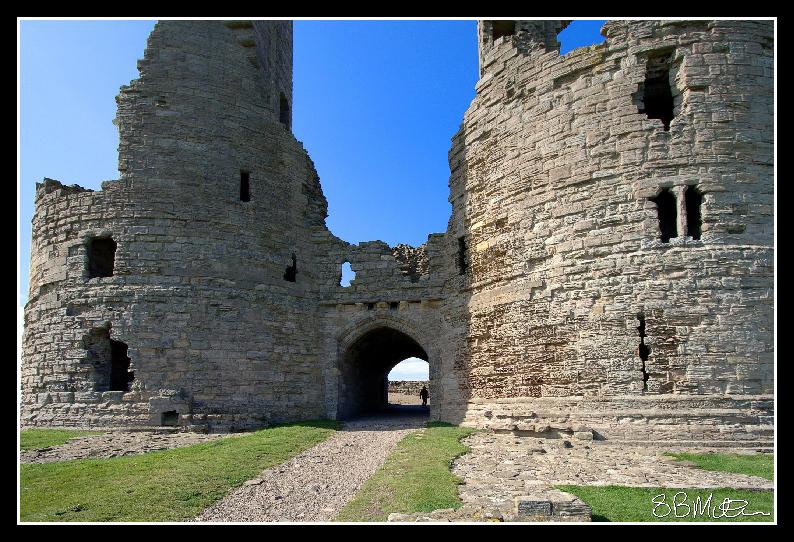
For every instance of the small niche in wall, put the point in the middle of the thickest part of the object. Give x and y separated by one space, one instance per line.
170 418
245 186
463 259
291 272
101 257
666 212
692 201
283 111
347 274
643 351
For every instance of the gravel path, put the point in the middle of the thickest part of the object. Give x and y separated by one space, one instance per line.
316 484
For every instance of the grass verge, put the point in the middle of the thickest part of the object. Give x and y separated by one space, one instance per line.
35 439
415 478
753 464
168 485
617 503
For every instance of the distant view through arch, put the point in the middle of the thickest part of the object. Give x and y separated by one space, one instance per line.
406 381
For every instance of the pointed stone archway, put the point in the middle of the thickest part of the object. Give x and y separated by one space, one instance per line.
366 354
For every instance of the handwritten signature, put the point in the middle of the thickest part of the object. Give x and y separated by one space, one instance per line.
681 507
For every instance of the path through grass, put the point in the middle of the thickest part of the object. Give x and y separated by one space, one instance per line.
415 478
168 485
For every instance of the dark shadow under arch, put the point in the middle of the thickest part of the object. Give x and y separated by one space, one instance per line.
365 366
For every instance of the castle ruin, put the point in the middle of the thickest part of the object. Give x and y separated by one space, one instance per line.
608 264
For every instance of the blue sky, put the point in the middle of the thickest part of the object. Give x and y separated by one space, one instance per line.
375 103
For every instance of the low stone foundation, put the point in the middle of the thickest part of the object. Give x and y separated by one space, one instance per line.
706 420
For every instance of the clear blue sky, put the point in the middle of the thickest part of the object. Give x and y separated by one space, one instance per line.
375 104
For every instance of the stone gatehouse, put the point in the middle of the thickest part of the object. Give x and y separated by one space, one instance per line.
608 263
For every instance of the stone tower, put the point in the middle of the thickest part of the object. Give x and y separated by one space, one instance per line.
615 205
174 289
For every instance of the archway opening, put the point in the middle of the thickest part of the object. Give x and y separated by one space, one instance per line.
365 368
406 380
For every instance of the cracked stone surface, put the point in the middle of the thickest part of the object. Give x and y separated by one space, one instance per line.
316 484
115 444
501 467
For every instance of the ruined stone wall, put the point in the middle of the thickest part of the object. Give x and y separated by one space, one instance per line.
553 175
198 292
400 288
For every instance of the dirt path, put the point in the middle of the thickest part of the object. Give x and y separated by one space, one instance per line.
316 484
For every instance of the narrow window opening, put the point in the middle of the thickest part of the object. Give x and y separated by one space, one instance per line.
693 200
503 28
120 374
656 94
283 114
463 262
291 272
245 186
170 418
394 305
370 306
347 276
101 257
643 350
666 210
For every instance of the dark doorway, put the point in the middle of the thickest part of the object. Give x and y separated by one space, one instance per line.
365 367
108 361
120 374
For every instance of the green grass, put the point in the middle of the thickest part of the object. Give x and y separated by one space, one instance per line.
753 464
35 439
415 478
169 485
617 503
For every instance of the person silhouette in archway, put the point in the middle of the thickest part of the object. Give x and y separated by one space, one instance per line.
424 394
